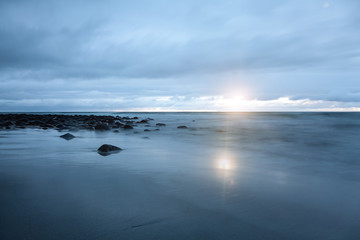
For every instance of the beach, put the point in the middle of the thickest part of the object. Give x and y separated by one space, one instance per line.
222 176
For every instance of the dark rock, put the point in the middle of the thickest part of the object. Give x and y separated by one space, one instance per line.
20 122
67 136
35 123
161 124
117 123
116 131
142 121
146 130
182 127
102 127
67 122
88 127
107 149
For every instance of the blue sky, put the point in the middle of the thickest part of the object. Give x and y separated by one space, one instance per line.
144 55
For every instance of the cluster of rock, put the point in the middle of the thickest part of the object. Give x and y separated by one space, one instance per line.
76 122
69 122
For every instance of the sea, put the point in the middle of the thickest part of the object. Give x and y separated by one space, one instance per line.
286 175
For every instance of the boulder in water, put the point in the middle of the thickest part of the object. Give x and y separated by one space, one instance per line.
67 136
142 121
107 149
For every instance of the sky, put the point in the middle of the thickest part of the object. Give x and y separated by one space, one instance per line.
160 55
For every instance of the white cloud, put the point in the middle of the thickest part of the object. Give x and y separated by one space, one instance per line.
178 55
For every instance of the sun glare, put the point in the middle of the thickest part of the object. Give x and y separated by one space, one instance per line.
224 164
232 103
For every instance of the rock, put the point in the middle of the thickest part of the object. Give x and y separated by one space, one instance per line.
116 131
70 122
102 126
118 124
88 127
67 136
161 124
107 149
182 127
146 130
142 121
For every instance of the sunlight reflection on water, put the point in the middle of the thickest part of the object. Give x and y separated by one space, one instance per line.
224 164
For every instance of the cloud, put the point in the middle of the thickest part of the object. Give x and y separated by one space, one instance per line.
269 49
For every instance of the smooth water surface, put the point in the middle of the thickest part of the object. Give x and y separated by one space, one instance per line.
227 176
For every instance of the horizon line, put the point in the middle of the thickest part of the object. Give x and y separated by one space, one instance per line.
190 111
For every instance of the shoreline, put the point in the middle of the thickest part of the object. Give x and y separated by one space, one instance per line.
72 122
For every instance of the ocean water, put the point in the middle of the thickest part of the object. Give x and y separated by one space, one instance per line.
227 176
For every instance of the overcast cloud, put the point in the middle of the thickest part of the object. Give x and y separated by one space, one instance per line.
179 55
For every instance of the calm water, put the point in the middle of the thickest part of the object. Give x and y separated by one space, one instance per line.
228 176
